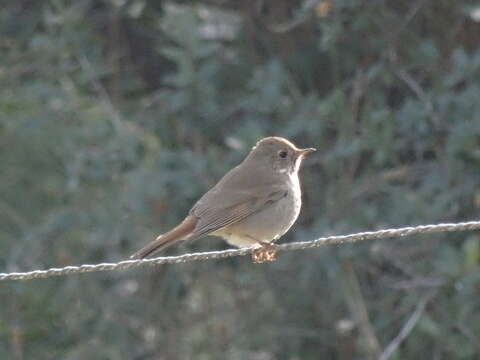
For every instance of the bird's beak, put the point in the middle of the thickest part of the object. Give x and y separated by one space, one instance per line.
304 152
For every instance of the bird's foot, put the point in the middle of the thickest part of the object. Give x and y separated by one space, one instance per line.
265 252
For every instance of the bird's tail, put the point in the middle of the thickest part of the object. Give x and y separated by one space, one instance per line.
178 233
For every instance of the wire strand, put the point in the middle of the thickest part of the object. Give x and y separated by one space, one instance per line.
328 240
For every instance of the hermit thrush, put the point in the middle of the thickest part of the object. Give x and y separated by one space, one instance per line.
254 204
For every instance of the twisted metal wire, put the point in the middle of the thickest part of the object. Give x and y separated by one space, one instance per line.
328 240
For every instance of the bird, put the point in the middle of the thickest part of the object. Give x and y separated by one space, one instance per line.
253 205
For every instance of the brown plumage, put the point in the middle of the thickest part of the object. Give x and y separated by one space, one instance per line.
254 203
180 232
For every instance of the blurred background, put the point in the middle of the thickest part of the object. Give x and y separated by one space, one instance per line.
116 115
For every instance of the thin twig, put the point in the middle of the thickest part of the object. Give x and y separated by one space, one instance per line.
358 308
406 329
408 18
300 18
115 117
13 215
416 88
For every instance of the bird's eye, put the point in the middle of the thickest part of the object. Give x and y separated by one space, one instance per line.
283 154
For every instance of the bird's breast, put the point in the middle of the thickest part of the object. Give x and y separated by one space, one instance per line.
268 224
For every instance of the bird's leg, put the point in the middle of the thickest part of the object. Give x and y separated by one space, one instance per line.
264 252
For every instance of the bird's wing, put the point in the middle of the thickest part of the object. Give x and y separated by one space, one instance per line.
220 213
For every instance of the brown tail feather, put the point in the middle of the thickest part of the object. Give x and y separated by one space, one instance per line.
178 233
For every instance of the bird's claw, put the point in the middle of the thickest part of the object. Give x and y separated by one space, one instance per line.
265 252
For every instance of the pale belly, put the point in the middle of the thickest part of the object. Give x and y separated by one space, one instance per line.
265 226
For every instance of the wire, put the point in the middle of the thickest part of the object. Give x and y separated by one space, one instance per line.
328 240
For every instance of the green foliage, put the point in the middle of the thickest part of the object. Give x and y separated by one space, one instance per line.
115 116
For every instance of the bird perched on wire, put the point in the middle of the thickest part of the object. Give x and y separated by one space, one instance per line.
253 205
